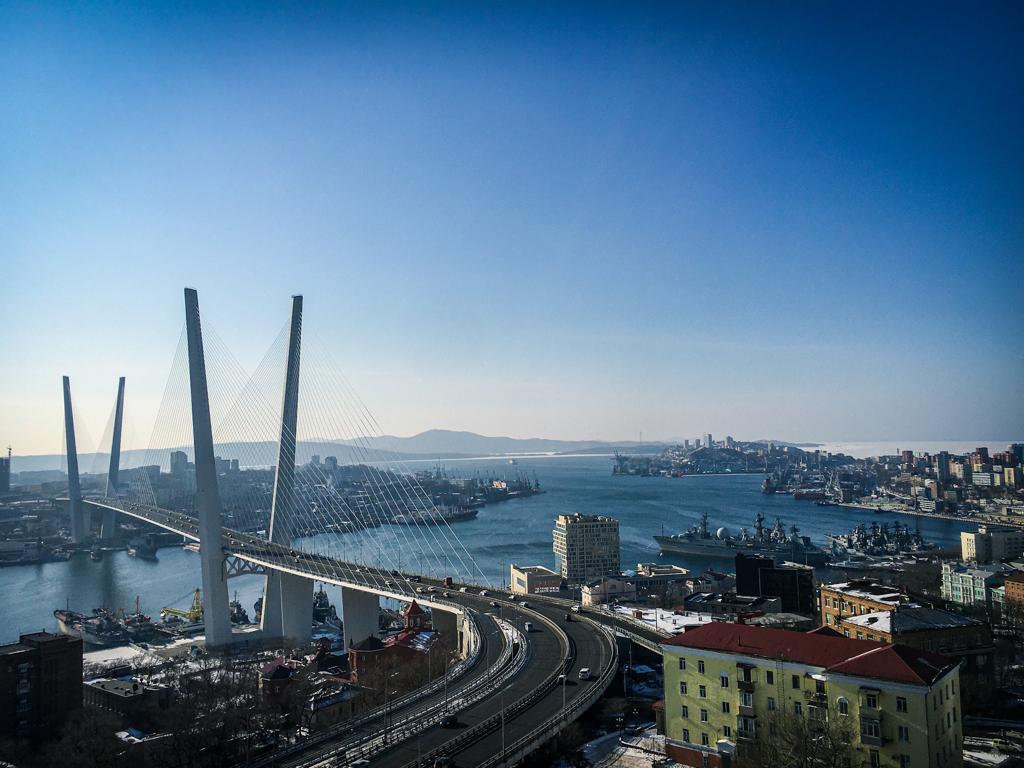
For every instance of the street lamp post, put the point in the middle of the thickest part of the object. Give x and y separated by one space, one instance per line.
387 711
563 678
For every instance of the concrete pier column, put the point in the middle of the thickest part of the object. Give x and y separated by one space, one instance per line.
109 527
360 611
211 551
283 504
296 609
79 530
446 624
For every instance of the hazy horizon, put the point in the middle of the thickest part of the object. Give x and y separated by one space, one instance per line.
799 222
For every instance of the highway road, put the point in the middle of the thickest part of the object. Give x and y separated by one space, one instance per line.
530 699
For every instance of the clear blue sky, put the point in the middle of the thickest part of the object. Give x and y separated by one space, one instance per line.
574 221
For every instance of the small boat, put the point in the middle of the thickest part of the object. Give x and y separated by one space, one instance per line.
95 554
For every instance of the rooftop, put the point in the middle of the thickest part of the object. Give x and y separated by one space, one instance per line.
868 589
535 570
912 618
860 658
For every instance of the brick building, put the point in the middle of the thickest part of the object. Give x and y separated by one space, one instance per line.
40 684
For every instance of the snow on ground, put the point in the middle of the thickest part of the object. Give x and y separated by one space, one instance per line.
122 653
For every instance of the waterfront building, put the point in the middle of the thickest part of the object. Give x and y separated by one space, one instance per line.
5 472
731 689
990 544
179 463
856 597
534 579
586 547
40 685
973 585
709 441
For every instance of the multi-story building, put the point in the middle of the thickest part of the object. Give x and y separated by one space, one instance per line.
607 590
967 640
972 585
586 547
40 684
757 575
5 472
533 579
1013 586
856 598
733 689
990 544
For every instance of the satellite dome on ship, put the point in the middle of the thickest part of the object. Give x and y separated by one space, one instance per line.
722 533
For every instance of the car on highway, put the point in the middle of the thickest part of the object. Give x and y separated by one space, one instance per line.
449 721
421 590
494 603
575 609
584 673
389 583
525 604
568 617
528 627
431 589
484 593
463 589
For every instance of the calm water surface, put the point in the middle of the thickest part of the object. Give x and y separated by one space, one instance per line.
512 531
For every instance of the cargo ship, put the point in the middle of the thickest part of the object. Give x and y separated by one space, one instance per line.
436 516
771 542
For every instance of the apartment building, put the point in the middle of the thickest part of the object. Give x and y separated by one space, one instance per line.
586 547
990 544
732 688
855 598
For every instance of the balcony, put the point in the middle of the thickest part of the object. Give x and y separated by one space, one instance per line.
746 711
747 686
746 735
870 741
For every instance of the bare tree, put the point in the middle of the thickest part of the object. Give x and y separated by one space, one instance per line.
819 739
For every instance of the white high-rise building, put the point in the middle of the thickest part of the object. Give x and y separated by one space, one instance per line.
586 547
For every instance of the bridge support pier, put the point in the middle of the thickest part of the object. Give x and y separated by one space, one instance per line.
108 529
211 551
296 609
446 624
360 611
79 529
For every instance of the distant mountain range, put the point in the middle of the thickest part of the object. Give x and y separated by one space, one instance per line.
434 443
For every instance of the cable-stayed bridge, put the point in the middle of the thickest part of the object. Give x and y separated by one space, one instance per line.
295 523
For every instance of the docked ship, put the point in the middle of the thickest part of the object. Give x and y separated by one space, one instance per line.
436 516
880 540
99 629
772 542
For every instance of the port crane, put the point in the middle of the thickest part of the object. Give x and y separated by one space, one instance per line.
193 614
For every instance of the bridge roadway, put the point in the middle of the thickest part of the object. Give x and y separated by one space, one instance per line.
584 642
588 646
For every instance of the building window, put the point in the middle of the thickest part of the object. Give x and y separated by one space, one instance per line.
682 663
686 735
700 667
901 704
771 703
843 706
796 682
702 691
746 699
769 677
904 761
727 731
870 728
903 733
876 759
725 707
703 715
682 688
724 679
704 739
954 714
871 700
686 712
798 708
